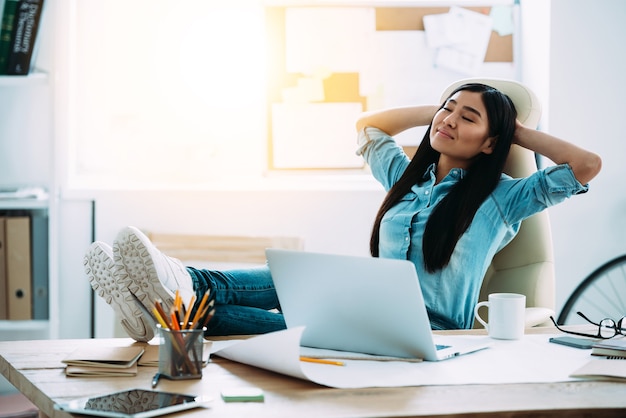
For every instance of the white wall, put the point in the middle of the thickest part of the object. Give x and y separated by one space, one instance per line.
337 221
533 48
587 91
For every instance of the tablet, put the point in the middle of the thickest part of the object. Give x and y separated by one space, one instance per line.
134 403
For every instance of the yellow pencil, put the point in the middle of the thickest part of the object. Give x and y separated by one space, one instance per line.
157 315
162 313
188 313
322 361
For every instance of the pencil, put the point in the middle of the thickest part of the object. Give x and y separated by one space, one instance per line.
175 324
200 315
209 316
159 308
322 361
157 315
188 313
200 308
177 300
176 308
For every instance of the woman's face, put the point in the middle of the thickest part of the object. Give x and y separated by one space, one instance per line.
460 129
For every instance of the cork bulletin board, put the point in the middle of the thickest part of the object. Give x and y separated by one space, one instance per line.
326 65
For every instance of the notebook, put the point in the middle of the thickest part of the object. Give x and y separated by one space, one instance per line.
359 304
96 371
109 357
103 361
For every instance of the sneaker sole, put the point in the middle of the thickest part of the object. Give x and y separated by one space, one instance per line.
137 272
99 267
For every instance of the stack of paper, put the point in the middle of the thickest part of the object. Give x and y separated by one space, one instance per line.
104 361
604 369
614 348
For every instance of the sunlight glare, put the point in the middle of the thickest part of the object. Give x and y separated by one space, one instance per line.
222 57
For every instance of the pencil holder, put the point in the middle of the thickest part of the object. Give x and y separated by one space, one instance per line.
180 353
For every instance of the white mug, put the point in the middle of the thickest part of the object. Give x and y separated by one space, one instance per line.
506 315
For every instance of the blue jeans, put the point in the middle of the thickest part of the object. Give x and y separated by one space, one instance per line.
243 300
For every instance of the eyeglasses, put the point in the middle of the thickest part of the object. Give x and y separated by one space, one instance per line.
607 328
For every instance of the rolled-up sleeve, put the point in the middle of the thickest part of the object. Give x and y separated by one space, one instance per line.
561 182
385 157
521 198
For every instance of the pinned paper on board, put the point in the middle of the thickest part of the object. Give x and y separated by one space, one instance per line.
327 73
502 20
460 38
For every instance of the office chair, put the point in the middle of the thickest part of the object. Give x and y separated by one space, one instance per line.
526 264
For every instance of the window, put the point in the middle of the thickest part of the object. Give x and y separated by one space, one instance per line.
166 92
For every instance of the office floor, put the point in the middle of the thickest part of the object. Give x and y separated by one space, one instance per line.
16 405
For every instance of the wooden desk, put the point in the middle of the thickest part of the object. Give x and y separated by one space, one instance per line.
35 368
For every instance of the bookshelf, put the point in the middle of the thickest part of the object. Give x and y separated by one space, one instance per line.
36 302
21 145
29 158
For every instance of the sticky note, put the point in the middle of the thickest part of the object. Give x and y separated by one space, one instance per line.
243 395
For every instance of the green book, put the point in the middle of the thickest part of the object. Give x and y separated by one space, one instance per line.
6 33
23 36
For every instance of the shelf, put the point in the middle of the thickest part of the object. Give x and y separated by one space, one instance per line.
24 325
32 79
21 330
24 203
16 330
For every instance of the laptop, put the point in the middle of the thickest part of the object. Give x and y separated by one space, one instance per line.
360 305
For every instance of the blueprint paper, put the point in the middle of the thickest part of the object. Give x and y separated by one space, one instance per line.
529 360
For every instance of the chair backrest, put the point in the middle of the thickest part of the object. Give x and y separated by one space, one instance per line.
526 264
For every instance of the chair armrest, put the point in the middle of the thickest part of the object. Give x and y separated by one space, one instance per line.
537 316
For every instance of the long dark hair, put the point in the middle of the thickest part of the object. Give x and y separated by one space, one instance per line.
454 213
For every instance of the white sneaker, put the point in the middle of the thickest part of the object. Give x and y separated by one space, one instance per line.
99 267
148 273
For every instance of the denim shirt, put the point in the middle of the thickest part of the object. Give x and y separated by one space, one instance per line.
451 293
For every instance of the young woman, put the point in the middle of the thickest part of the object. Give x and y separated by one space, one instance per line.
449 209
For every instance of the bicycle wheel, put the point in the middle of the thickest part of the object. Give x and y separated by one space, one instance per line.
601 295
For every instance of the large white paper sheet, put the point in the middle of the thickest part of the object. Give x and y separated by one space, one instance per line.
529 360
461 38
